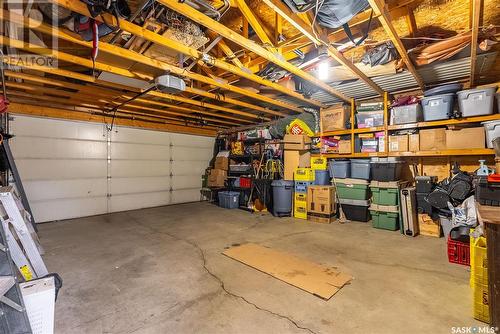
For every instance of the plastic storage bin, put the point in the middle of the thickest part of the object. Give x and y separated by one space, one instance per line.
229 199
478 261
304 174
321 177
352 189
385 220
492 129
360 169
437 107
386 169
385 196
370 119
340 169
300 206
458 252
487 193
301 186
481 307
356 210
282 197
476 102
245 182
411 113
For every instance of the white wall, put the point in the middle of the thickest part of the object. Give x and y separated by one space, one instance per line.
73 169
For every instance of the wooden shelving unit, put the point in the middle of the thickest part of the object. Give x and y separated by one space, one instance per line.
386 128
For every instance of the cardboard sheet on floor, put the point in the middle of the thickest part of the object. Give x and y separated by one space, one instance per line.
314 278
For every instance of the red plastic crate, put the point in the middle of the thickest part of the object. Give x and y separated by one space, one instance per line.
245 182
458 252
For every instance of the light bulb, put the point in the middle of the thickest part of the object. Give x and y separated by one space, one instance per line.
323 69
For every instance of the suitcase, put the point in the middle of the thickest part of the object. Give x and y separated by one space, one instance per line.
409 210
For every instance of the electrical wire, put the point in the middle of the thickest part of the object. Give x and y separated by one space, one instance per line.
115 109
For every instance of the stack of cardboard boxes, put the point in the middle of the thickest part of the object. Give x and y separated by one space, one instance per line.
321 204
218 175
296 154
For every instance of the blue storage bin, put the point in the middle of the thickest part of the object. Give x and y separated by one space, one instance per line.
360 169
229 199
438 107
301 186
322 178
340 169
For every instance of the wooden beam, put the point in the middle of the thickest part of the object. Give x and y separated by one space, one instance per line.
125 25
133 56
380 9
225 32
279 7
227 51
255 23
34 110
410 21
476 10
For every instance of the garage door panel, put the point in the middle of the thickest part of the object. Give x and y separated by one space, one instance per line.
58 148
186 182
140 151
39 190
42 169
189 167
138 201
139 185
24 126
179 139
191 154
137 168
128 135
44 211
185 196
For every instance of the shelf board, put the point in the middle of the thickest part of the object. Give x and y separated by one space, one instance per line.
444 122
336 133
367 130
479 151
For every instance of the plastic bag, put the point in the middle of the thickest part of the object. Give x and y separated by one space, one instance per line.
464 214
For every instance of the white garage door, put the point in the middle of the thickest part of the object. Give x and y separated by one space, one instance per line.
74 169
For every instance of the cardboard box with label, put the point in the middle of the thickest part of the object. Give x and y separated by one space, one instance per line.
297 142
293 160
469 138
334 118
222 160
398 143
433 139
321 200
413 142
217 178
344 146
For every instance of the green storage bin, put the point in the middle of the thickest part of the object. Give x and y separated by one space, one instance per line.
385 220
353 191
385 196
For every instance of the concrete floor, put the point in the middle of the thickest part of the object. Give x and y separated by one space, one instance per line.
161 270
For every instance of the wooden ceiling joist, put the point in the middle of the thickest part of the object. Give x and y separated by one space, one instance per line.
134 56
127 26
380 8
255 23
299 24
248 44
476 17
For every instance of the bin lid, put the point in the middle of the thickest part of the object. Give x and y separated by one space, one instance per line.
352 181
282 183
388 160
444 89
449 96
360 161
357 202
490 90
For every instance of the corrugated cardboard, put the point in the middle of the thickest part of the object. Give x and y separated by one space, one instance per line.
344 146
222 163
321 199
297 142
433 139
321 218
334 118
398 143
317 279
413 142
293 160
465 138
217 178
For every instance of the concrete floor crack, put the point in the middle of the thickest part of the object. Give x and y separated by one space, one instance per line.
221 282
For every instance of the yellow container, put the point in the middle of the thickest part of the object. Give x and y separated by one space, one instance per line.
304 174
319 163
300 210
300 198
478 261
481 305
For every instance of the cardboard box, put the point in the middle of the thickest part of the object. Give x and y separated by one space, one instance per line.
334 118
297 142
414 142
222 163
293 160
217 178
344 146
433 139
321 218
321 199
468 138
398 143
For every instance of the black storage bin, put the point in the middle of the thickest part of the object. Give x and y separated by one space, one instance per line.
487 193
356 210
386 170
425 184
422 204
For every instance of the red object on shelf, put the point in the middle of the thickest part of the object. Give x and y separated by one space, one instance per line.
245 182
494 178
458 252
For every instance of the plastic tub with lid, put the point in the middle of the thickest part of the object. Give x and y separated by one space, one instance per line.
476 102
438 107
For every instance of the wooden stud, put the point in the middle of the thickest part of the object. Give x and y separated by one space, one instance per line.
254 21
476 10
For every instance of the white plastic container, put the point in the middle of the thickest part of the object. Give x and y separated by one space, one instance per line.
492 129
407 114
476 102
39 299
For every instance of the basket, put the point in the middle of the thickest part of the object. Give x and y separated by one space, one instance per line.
245 182
458 252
